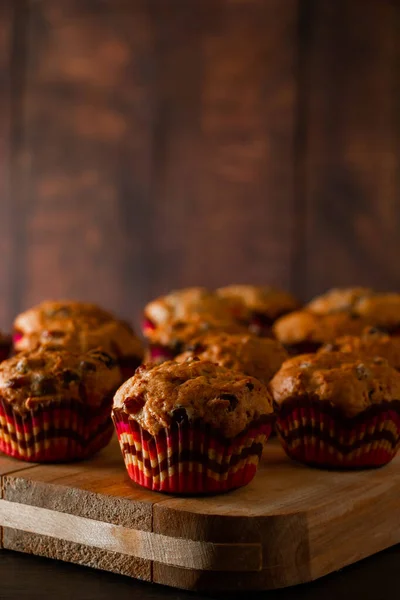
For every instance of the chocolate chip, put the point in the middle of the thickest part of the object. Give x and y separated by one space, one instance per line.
362 372
17 382
232 399
376 329
250 386
179 416
68 376
43 385
103 357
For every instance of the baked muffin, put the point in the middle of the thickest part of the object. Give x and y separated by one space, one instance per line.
338 410
170 340
5 346
55 405
372 343
180 305
79 327
379 309
303 331
337 300
192 427
265 304
258 357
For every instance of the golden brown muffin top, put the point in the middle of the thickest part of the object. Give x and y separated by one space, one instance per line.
265 300
337 299
176 334
35 378
378 308
345 381
258 357
304 326
197 389
75 326
180 305
372 343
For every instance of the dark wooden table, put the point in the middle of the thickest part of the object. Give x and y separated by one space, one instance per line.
25 577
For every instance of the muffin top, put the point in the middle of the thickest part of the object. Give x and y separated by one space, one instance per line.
347 382
381 309
372 343
304 326
264 300
196 389
183 304
258 357
177 333
35 378
337 300
76 326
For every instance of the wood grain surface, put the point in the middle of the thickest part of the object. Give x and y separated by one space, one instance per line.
286 527
149 145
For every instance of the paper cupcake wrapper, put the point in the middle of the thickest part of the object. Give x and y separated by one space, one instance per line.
190 458
63 431
318 434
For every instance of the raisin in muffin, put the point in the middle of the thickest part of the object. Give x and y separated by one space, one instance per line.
338 410
304 331
371 344
264 303
78 326
170 340
212 422
258 357
55 405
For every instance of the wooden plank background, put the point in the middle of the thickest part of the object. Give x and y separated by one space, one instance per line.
147 145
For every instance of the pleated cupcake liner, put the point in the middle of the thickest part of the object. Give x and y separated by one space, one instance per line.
64 431
317 434
190 458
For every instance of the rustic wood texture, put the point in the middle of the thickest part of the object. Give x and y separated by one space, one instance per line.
155 148
286 527
350 89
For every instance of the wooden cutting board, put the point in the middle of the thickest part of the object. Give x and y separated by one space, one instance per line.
292 524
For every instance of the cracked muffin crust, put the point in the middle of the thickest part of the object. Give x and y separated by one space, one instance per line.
258 357
380 309
78 327
347 382
36 378
193 390
304 331
265 304
373 343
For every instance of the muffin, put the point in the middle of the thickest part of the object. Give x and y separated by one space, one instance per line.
55 405
181 305
172 339
337 300
258 357
192 427
372 343
338 410
303 331
379 309
265 304
5 346
79 327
